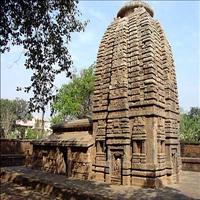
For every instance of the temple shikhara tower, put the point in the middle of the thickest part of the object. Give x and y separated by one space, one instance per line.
132 138
135 103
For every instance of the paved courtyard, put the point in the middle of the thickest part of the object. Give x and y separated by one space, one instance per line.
23 183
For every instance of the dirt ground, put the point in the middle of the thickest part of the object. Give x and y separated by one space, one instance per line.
188 188
11 191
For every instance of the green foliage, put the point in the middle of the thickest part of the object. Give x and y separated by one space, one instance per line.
190 125
74 99
35 134
12 110
14 134
27 133
19 131
44 30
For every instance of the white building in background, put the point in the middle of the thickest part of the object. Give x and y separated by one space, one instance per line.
35 123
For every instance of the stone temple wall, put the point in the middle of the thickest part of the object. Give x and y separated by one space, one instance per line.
135 103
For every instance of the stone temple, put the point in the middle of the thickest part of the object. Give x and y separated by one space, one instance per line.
133 136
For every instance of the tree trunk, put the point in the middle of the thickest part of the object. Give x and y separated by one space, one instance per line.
43 112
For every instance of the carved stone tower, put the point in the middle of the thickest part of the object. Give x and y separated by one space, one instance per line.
135 103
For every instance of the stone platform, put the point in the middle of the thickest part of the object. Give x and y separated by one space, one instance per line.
16 181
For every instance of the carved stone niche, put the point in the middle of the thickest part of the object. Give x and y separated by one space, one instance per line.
161 147
100 146
116 167
139 147
138 151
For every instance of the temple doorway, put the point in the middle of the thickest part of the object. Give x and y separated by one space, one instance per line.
116 174
174 165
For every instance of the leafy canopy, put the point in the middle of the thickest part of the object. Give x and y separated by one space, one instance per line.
190 125
74 99
35 134
44 30
10 111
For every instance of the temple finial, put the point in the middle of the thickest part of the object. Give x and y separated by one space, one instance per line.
131 5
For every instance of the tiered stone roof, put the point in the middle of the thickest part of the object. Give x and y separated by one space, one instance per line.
135 103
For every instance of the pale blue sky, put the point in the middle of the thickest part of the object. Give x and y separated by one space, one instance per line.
179 19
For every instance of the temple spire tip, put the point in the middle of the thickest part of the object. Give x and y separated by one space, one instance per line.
131 5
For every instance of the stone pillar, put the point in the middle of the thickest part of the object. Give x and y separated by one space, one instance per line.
126 165
108 166
152 147
69 162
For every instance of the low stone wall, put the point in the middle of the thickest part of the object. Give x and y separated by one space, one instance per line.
14 152
14 146
190 154
189 149
72 161
18 152
9 146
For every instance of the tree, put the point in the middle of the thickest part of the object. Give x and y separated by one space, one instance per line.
190 125
35 134
44 30
12 110
194 113
7 117
74 99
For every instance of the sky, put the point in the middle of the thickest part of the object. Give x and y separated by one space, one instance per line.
179 19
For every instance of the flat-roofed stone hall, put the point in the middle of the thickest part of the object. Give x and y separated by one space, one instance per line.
132 138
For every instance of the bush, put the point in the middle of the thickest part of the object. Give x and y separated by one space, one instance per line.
35 134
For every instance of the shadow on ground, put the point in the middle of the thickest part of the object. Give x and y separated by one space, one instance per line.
53 186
